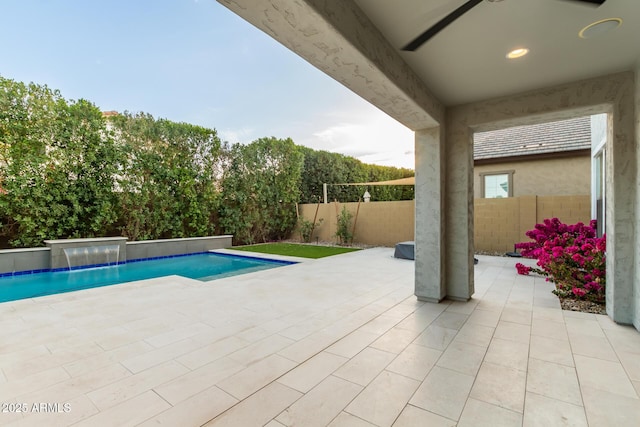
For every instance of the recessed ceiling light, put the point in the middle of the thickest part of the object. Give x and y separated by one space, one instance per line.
599 27
517 53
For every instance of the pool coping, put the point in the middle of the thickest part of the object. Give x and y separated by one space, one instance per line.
275 258
262 256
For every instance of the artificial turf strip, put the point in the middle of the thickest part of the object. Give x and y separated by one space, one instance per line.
292 249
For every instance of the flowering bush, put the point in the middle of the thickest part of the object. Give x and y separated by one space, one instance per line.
571 256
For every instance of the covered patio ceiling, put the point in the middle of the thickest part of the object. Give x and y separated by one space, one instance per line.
463 63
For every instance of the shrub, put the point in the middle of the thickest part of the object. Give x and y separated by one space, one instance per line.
306 228
571 256
343 232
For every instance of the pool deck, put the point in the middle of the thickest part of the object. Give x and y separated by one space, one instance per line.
339 341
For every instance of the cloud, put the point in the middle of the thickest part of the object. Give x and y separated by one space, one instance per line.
365 133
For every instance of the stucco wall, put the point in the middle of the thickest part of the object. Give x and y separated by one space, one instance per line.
613 94
499 223
636 283
544 177
377 223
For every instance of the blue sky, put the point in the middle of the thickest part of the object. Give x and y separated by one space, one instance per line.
192 61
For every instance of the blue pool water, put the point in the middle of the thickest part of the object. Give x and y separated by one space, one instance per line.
206 266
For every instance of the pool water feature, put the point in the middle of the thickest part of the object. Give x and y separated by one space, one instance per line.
202 266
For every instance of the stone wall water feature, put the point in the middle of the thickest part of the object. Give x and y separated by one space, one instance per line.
66 253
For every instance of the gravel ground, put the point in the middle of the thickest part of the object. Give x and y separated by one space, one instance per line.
584 306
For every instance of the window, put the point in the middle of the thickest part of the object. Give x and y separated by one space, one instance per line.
497 185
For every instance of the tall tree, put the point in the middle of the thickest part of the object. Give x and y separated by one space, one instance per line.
57 166
260 189
169 177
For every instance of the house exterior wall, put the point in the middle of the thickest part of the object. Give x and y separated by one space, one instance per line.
543 177
616 95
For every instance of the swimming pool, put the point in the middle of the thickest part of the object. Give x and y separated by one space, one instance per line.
202 266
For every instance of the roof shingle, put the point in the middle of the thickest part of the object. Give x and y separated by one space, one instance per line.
551 137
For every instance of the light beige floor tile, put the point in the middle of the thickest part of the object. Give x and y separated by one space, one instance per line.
584 327
436 337
636 385
261 349
451 320
104 359
415 362
555 381
310 373
31 383
353 343
365 366
462 357
631 364
344 419
590 346
516 315
259 408
501 386
179 334
195 410
383 400
134 385
196 381
463 307
549 329
483 317
544 313
513 332
309 346
256 376
73 387
443 392
380 324
412 416
320 405
578 315
8 356
21 368
511 354
473 333
604 375
211 352
161 355
418 321
606 322
395 340
541 411
608 409
481 414
128 413
623 338
13 415
551 350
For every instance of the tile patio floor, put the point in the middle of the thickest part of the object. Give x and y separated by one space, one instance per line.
339 341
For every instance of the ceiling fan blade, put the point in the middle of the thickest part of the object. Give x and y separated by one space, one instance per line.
440 25
598 2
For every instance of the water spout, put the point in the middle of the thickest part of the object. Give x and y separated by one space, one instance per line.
92 256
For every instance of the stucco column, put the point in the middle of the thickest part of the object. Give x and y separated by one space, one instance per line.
458 204
429 218
621 182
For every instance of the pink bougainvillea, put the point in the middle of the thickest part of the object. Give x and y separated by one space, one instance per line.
571 256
